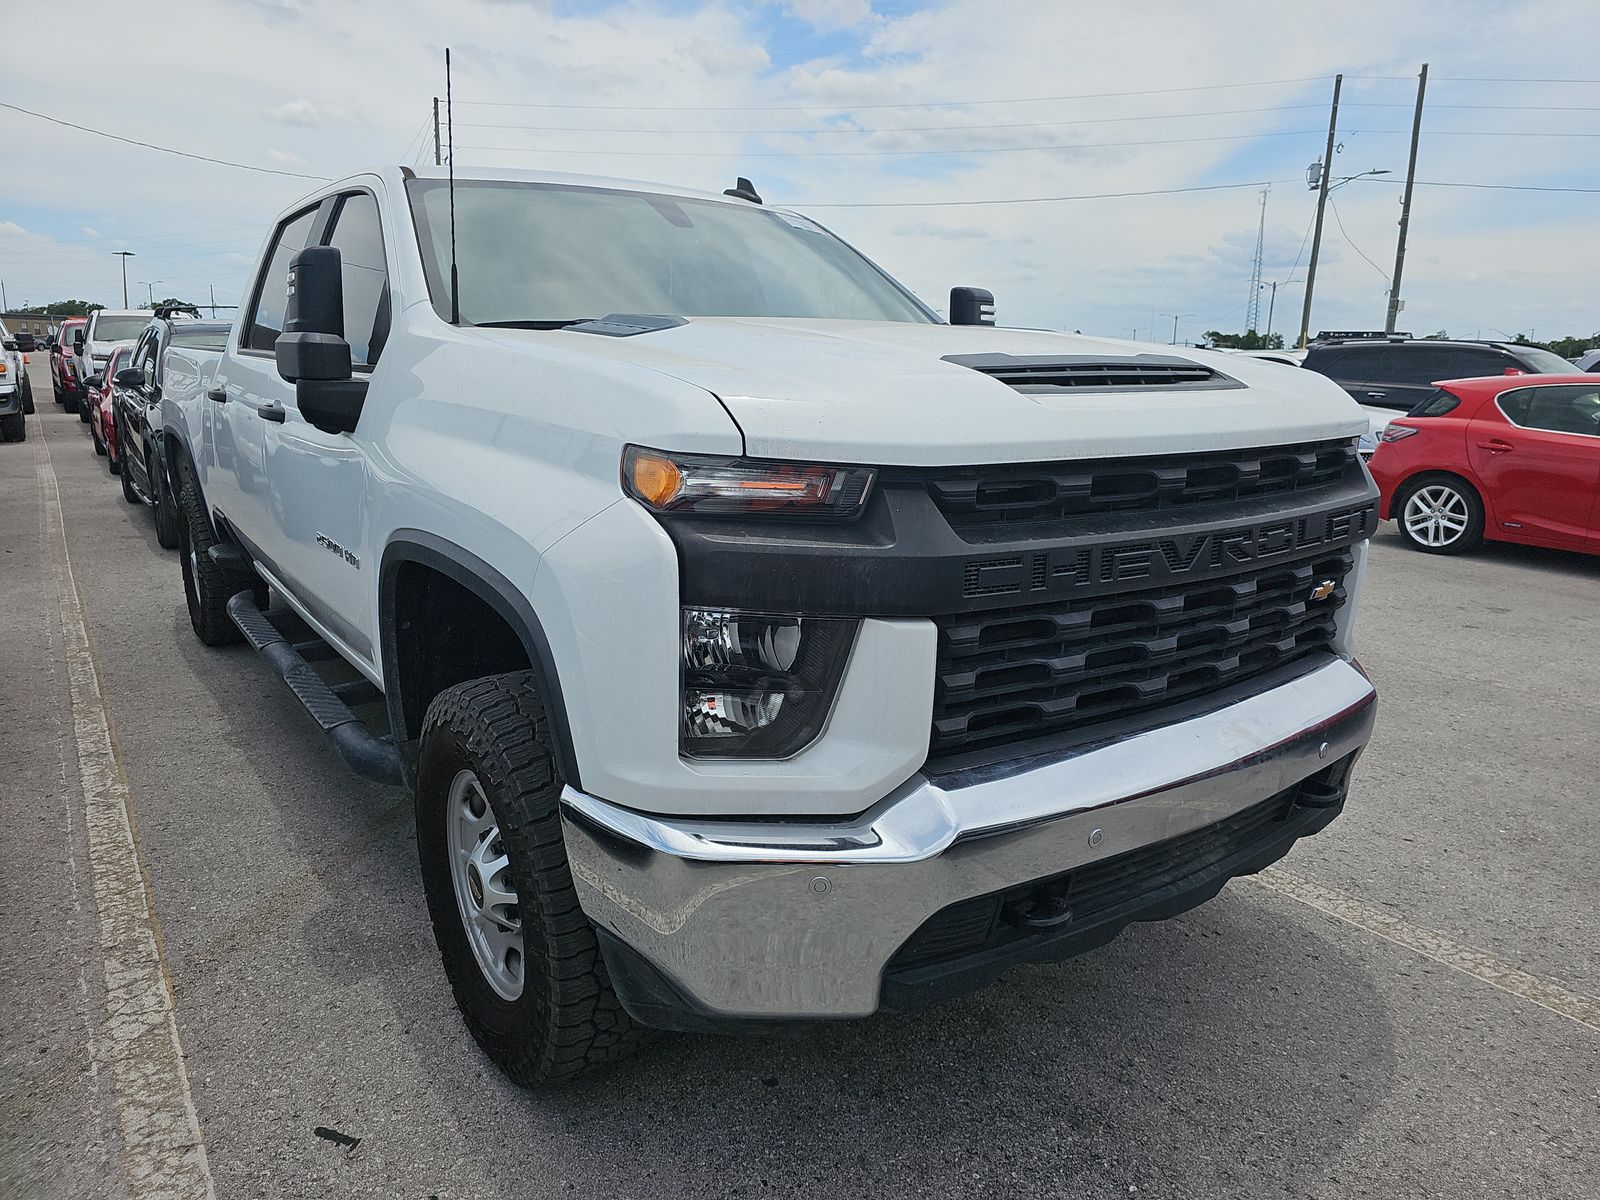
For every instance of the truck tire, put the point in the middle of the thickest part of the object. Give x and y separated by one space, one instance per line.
207 585
27 393
128 494
167 516
13 428
487 795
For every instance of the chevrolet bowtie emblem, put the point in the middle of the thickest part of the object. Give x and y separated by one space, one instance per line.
1323 590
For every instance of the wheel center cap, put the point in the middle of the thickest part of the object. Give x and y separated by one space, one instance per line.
475 885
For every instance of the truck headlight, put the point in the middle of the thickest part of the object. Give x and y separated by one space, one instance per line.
757 685
708 485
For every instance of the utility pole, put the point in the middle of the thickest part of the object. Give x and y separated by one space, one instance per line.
213 288
436 131
1176 317
1405 207
1322 204
125 255
1272 304
5 305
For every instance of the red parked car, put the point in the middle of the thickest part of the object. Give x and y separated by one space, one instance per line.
1511 458
63 370
102 419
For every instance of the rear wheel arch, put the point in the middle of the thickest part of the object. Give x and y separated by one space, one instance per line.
422 575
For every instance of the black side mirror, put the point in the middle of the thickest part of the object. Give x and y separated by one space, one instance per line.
311 351
129 377
95 381
77 340
971 306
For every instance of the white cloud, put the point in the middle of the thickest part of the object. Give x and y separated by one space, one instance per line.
830 14
363 87
301 111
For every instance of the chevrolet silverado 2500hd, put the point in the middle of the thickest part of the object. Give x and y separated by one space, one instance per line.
757 645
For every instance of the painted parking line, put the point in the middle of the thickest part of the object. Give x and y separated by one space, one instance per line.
1341 906
163 1152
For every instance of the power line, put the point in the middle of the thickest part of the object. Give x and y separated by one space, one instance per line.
1494 187
137 237
1213 187
221 162
1339 221
1480 79
1479 108
838 129
1216 187
1231 137
1220 112
1207 87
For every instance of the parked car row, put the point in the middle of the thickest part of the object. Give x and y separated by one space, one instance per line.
110 368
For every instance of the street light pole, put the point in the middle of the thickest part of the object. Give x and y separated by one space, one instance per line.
125 255
1405 207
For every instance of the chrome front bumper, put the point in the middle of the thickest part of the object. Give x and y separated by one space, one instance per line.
772 920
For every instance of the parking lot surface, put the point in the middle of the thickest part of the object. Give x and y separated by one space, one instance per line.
1405 1007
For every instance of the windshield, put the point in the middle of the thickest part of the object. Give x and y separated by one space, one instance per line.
119 329
534 253
1544 361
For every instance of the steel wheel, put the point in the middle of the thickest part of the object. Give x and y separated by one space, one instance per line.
1437 515
485 891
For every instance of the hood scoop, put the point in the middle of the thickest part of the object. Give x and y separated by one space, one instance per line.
1069 373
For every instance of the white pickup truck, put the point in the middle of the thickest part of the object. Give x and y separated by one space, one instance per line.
758 645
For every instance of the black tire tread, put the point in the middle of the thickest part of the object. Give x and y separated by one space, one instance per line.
506 731
167 515
213 587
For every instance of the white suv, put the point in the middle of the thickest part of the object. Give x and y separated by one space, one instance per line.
758 645
16 389
109 329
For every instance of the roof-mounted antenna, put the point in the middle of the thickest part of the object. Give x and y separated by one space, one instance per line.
450 132
743 190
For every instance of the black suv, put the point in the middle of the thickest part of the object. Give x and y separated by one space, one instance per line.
136 409
1399 372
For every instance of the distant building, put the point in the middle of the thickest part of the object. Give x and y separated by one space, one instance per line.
38 324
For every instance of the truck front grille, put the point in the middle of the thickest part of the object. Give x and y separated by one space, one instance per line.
1014 674
972 498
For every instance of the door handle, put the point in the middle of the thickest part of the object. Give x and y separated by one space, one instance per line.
1376 395
1496 446
220 395
271 412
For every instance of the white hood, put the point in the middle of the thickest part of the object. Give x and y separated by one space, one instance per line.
881 392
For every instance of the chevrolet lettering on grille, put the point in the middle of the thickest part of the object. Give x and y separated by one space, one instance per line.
1154 560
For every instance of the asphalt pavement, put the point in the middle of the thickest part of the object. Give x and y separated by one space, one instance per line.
1406 1007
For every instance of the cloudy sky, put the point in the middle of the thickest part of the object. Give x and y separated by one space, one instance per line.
884 119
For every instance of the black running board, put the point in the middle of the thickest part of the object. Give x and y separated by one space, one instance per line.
371 757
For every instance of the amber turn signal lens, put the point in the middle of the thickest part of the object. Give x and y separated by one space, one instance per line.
654 478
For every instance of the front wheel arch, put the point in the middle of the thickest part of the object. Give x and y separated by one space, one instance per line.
467 571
